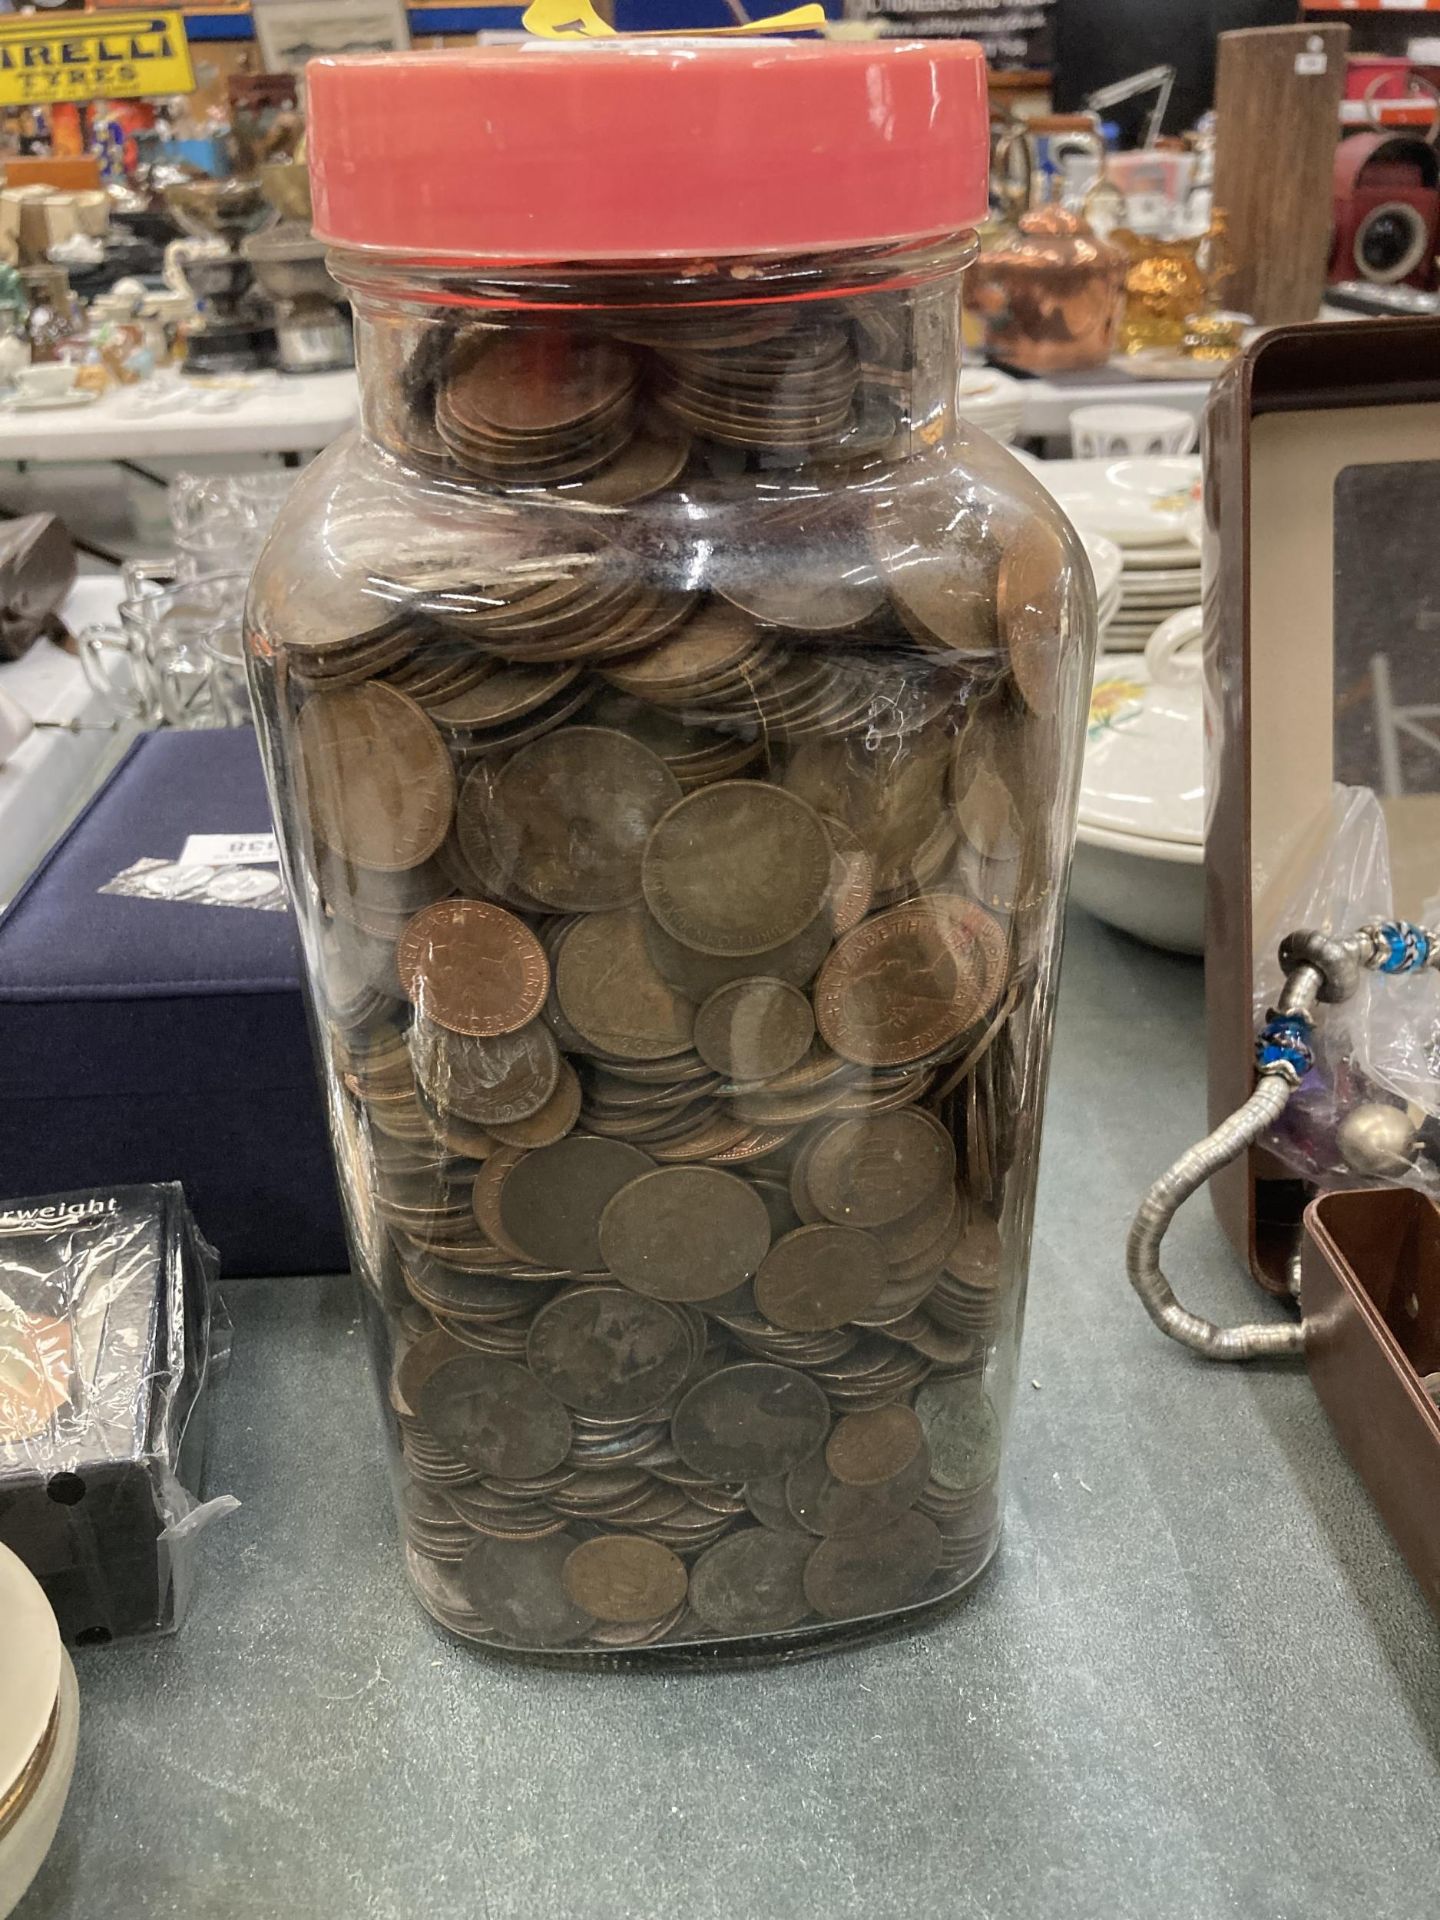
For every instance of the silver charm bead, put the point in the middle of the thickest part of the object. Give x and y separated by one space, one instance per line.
1378 1142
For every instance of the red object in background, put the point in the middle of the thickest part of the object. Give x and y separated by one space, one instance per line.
1387 210
1376 76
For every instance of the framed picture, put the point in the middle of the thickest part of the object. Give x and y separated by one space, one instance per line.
290 32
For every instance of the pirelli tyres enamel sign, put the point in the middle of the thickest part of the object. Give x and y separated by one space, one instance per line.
92 56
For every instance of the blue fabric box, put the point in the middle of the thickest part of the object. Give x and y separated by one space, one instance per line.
150 1040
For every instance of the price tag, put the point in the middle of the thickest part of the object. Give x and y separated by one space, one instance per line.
229 850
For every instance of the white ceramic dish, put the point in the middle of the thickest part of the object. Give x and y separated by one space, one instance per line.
30 1661
1141 503
1139 855
1144 772
48 403
28 1838
1153 889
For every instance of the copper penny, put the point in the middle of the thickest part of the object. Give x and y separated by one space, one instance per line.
472 967
548 1123
852 877
875 1169
571 815
850 1578
609 1353
648 463
819 1277
911 980
752 1582
684 1233
378 781
750 1422
1030 598
504 695
963 1431
737 868
713 643
869 1449
495 1415
698 975
553 1198
825 1504
623 1576
515 1590
611 992
890 791
753 1029
537 381
486 1078
805 599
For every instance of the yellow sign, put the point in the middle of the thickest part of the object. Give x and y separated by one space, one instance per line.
92 56
578 20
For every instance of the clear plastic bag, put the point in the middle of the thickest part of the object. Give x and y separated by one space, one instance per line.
1381 1046
105 1350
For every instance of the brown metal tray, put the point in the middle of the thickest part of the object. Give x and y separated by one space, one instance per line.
1370 1293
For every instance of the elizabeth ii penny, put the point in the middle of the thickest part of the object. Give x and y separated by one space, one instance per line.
610 1353
849 1577
909 981
750 1422
625 1577
552 1199
571 815
612 994
874 1169
494 1415
752 1581
737 868
486 1079
472 967
820 1276
685 1233
378 781
753 1029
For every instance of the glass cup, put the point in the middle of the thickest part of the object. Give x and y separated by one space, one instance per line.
177 631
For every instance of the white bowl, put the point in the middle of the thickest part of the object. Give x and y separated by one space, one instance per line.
37 1690
1153 889
1102 432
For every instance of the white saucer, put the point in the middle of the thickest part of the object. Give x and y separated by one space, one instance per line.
30 1663
48 403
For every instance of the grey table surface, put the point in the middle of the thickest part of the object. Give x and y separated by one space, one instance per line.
1199 1681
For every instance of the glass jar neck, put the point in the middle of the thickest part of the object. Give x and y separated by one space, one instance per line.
798 346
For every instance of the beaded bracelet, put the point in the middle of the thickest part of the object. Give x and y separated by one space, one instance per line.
1377 1139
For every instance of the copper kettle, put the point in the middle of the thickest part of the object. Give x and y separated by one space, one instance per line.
1048 292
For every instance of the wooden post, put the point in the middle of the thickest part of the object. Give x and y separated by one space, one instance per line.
1277 119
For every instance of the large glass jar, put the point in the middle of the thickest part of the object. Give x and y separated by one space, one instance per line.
672 712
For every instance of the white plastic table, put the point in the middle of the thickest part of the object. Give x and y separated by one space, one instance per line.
278 414
53 773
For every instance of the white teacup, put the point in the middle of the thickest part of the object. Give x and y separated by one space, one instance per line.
47 382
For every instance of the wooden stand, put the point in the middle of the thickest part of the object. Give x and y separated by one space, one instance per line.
1277 118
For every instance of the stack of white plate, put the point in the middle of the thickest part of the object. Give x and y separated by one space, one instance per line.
1107 563
1147 507
992 400
1157 581
39 1722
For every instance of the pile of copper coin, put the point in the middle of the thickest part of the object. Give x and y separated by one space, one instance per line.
677 950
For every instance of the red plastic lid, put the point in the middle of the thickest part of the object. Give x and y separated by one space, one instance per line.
628 148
